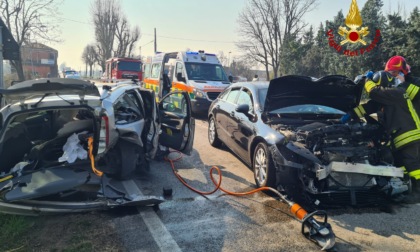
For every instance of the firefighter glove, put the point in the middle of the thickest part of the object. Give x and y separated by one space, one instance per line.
345 118
369 75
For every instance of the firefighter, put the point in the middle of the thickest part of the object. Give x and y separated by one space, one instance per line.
383 79
400 120
398 68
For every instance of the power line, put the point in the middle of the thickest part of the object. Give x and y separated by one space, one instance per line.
148 43
167 37
187 39
76 21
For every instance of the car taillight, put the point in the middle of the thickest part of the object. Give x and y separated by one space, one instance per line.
103 135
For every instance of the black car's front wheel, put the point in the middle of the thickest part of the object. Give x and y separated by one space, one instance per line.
264 170
212 133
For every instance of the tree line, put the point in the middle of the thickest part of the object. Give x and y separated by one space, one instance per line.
114 36
39 21
272 33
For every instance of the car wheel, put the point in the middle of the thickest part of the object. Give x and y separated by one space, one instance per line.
264 170
212 133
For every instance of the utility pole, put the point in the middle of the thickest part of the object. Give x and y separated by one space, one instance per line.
9 49
155 42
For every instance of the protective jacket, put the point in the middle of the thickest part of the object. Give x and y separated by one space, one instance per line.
412 87
401 119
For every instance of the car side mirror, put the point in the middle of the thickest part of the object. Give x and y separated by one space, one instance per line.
242 108
230 78
179 77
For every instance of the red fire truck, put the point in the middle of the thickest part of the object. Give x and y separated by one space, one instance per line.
122 68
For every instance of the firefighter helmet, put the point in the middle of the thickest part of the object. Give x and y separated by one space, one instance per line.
397 63
384 78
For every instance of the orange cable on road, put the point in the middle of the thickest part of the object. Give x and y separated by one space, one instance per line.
319 232
216 183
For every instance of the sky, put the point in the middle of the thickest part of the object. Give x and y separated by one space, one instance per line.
209 25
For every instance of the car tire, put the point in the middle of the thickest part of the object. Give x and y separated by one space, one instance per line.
212 133
263 167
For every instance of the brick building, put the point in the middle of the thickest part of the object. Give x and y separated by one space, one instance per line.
39 61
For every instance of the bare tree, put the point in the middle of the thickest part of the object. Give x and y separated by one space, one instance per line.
106 16
126 39
29 21
223 58
90 57
266 25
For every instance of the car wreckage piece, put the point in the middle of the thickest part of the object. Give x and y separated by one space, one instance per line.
339 161
328 162
64 147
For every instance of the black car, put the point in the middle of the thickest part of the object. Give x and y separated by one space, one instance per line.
289 131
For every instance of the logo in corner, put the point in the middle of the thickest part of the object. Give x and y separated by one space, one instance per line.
353 21
352 34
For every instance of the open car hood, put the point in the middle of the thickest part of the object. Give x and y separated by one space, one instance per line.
40 87
334 91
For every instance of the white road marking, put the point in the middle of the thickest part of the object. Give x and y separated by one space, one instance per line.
159 232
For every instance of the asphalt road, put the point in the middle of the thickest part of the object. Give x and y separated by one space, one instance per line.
187 221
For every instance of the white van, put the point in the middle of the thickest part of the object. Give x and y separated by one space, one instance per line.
200 74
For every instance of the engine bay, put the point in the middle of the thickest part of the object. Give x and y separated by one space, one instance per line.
350 161
353 143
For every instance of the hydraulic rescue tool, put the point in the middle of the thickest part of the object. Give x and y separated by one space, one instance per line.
314 225
319 232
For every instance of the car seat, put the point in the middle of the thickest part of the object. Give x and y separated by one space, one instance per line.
15 144
47 153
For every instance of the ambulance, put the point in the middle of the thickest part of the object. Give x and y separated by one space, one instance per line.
198 73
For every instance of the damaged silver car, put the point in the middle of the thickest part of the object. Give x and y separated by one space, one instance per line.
68 145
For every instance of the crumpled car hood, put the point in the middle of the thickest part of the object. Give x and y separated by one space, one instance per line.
334 91
39 87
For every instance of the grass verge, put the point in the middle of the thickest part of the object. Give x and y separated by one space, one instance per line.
13 228
68 233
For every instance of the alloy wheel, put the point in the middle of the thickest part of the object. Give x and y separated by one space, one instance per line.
212 134
261 166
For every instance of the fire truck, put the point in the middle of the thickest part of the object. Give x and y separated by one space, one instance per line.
117 69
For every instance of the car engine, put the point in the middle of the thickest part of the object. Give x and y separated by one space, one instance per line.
353 143
358 144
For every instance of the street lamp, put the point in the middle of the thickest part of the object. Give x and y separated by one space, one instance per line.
229 60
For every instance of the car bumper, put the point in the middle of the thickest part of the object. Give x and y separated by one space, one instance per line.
200 106
39 207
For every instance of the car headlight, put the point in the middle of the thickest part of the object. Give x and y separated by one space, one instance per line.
199 93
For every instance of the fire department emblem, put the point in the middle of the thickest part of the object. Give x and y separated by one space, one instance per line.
353 22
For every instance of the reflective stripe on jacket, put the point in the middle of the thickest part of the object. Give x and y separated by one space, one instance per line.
401 119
